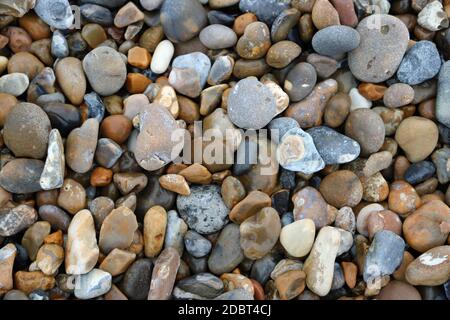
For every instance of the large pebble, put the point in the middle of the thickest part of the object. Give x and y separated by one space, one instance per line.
431 268
81 250
105 63
182 20
203 210
300 81
21 176
71 78
251 105
334 41
15 220
384 40
26 131
80 146
351 189
56 13
93 284
52 176
117 230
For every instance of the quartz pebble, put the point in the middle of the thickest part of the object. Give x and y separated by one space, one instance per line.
297 238
52 176
162 56
432 17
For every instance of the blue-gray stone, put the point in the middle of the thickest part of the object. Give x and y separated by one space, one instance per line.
59 46
197 61
443 95
335 40
440 159
267 10
108 152
279 126
96 108
246 157
287 218
205 285
419 172
97 14
262 268
203 210
196 265
136 281
56 13
333 147
338 277
420 63
236 294
219 17
197 245
384 256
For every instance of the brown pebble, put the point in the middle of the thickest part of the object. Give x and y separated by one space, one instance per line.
25 62
249 206
72 196
324 14
403 199
35 27
139 57
116 127
290 284
19 39
137 83
400 273
242 21
350 273
372 91
351 189
31 281
175 183
197 174
101 177
337 110
427 109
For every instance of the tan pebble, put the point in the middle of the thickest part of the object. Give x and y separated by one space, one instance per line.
175 183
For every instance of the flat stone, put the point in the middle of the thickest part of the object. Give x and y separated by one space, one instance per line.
34 236
204 284
334 41
309 204
419 172
28 282
386 43
217 36
128 15
80 146
108 153
21 176
163 276
93 284
221 70
203 210
117 261
52 176
97 14
58 14
72 196
49 258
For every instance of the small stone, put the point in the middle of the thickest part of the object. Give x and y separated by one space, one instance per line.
52 176
280 126
49 258
176 229
72 196
136 281
163 276
431 268
324 14
392 117
319 266
107 153
297 238
440 158
283 24
442 114
155 223
80 146
196 173
309 204
130 182
345 219
117 230
25 63
31 281
367 128
97 14
105 63
417 137
403 199
127 15
63 117
93 284
226 253
334 147
249 206
204 284
349 184
419 172
58 14
282 53
203 210
211 97
350 273
432 17
182 20
55 238
34 236
244 68
297 152
196 244
7 256
70 75
398 290
358 100
398 95
217 36
139 57
59 46
333 41
300 81
21 176
57 218
371 91
162 56
221 70
267 11
375 188
386 42
117 128
337 110
81 249
259 233
325 66
384 256
232 191
117 261
383 220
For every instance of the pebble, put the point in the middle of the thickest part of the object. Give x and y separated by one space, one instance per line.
232 191
324 14
337 110
97 14
80 146
383 220
182 20
384 256
128 182
26 131
7 256
117 261
417 137
197 245
282 53
16 8
57 218
300 81
117 230
333 147
49 258
196 61
267 11
319 266
432 268
419 172
204 285
349 184
387 42
176 229
432 17
107 153
280 126
128 15
283 24
70 75
203 210
52 176
14 84
358 101
57 14
403 198
196 173
226 253
428 226
163 276
105 63
34 237
413 69
117 128
259 233
93 284
155 224
290 284
367 128
398 95
243 114
249 206
64 117
217 36
221 70
59 45
325 66
297 152
398 290
334 41
21 176
72 196
28 282
162 56
136 281
309 204
442 115
81 234
237 294
297 238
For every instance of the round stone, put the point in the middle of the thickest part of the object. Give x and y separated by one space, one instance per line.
217 36
197 245
251 105
297 238
300 81
398 95
334 41
384 40
282 54
14 84
136 281
255 41
350 187
203 210
431 268
70 75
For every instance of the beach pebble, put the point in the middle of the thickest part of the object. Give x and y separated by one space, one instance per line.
58 14
349 184
162 56
398 95
34 237
297 238
21 176
80 146
204 284
433 17
14 84
15 220
52 176
163 276
443 94
155 224
217 36
309 204
136 281
266 11
7 256
324 14
117 230
358 100
282 53
419 172
432 268
71 78
93 284
49 258
221 70
197 245
300 81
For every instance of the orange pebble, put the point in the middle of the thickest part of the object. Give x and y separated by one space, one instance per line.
101 177
137 83
139 57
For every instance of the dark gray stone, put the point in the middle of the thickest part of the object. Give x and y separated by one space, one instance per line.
197 245
263 267
96 108
136 281
419 172
333 41
22 176
227 253
279 126
57 217
108 152
237 294
97 14
266 11
205 285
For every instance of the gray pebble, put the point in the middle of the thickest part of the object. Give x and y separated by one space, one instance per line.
15 220
236 294
205 285
338 277
443 95
263 267
266 11
175 231
300 81
21 176
93 284
197 245
54 215
52 176
217 36
440 159
59 46
107 153
221 70
136 281
279 126
197 61
97 14
56 13
334 41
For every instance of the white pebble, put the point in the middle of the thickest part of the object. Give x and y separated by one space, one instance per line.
358 101
433 17
162 56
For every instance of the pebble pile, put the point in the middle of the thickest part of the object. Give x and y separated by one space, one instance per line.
345 197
